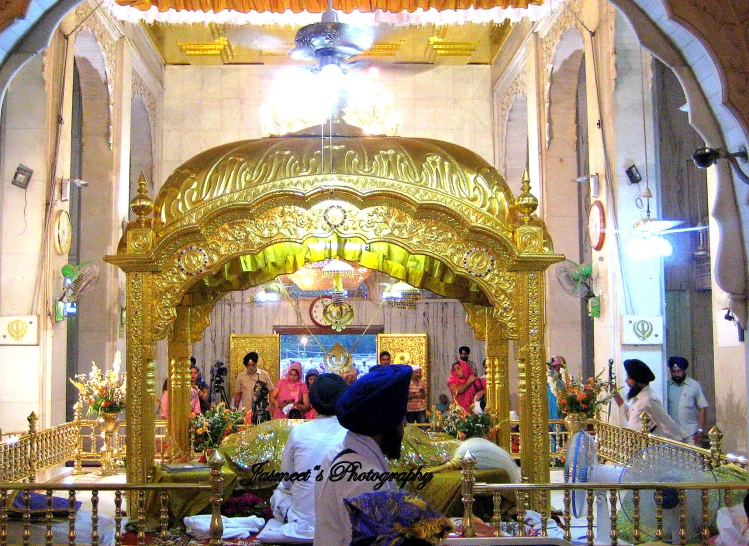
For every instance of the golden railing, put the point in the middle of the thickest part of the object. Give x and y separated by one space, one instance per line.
80 441
619 445
558 438
524 495
138 492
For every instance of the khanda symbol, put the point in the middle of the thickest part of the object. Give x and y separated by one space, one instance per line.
17 329
643 329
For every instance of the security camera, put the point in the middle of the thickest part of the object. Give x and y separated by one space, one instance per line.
706 157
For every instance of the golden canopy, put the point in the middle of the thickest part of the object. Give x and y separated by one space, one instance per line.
429 212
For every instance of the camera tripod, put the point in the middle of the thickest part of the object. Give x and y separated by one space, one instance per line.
219 395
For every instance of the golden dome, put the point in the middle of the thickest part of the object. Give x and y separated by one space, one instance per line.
417 169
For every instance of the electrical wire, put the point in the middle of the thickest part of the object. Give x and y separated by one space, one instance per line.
608 167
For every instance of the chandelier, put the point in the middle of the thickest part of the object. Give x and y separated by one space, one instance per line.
302 98
311 277
402 295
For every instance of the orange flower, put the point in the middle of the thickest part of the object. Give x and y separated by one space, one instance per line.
581 396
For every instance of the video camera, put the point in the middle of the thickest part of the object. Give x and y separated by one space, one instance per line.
219 371
260 411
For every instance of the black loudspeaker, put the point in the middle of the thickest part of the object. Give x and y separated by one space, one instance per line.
22 177
633 174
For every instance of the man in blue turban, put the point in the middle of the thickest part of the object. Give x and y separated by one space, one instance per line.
373 410
687 404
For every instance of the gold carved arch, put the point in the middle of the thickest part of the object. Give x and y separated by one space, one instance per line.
427 253
427 212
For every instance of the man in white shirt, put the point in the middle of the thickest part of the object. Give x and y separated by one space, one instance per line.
293 501
687 404
244 387
373 409
642 399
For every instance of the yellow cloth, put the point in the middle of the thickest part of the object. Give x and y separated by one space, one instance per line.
184 503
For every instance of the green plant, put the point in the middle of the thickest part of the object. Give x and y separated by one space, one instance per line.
462 424
209 429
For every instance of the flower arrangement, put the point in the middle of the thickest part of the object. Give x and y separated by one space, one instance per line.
104 392
461 423
208 429
575 396
246 505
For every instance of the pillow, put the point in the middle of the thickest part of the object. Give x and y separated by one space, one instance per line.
38 505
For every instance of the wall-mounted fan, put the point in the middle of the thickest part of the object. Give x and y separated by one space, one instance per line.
667 464
575 278
78 279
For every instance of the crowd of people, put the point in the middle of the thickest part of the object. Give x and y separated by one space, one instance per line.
350 430
682 418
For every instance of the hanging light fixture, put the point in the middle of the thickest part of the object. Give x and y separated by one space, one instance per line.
334 267
402 295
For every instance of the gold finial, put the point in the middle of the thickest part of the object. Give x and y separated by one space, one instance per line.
32 419
142 205
526 202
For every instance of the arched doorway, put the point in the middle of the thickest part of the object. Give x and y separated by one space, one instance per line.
429 212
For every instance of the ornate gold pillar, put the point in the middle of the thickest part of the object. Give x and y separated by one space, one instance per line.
140 377
486 328
140 293
529 298
498 378
534 403
180 350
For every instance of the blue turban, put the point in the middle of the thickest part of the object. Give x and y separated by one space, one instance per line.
377 401
679 362
325 392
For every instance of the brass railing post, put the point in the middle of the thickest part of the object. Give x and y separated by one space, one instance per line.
217 487
645 429
469 479
78 468
715 436
32 446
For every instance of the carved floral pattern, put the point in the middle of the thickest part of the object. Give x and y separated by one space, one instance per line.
243 236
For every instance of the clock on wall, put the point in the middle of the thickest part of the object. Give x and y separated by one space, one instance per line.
63 232
596 225
317 308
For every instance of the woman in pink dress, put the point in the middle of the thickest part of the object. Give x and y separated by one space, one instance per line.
290 393
463 385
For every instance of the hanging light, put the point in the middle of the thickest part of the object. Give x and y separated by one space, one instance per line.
402 295
335 267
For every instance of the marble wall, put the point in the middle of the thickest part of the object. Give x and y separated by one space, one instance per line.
449 103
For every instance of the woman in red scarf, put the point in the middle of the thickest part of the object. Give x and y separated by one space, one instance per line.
465 386
290 392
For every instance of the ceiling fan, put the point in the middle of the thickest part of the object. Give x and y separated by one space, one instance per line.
650 227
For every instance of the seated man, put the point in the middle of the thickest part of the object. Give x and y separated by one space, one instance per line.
293 502
373 410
